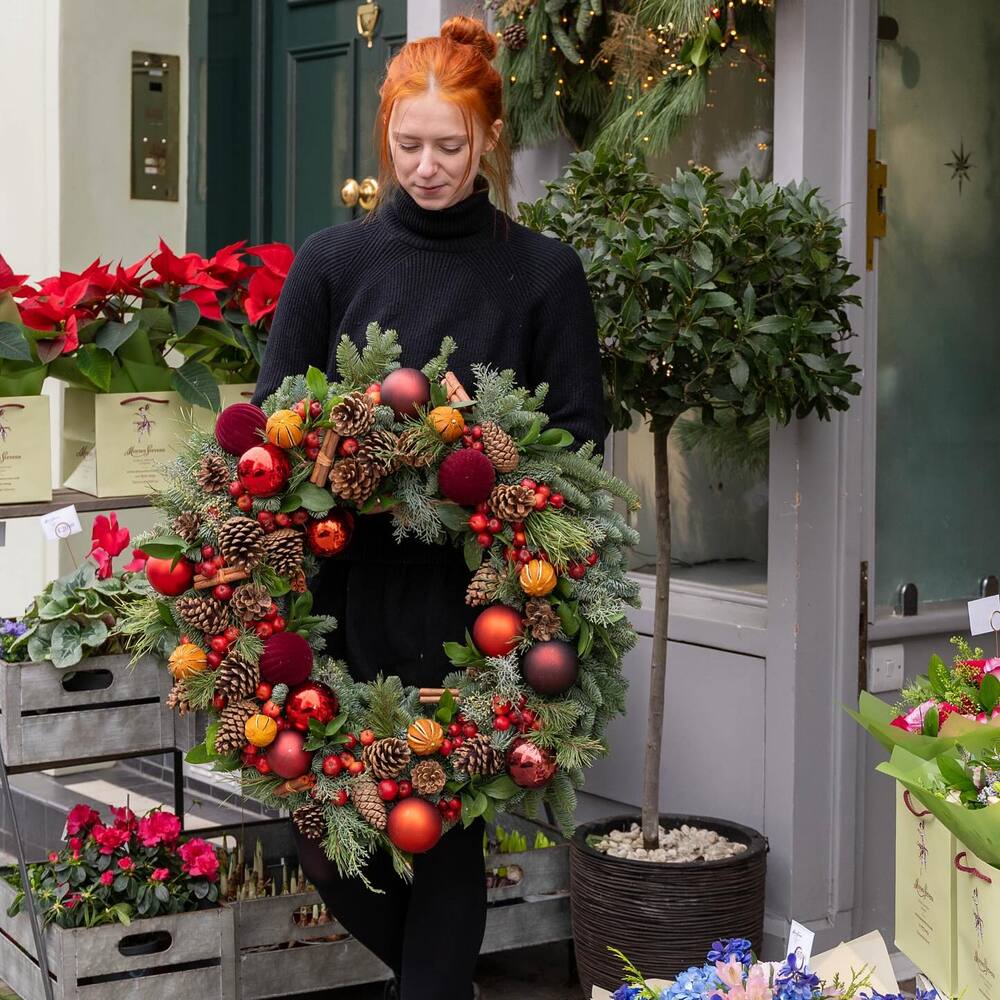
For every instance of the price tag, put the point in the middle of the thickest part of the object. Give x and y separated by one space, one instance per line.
61 523
800 942
984 615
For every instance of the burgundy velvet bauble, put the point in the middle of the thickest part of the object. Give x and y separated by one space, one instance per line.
529 765
264 470
414 825
467 477
550 667
332 534
286 755
239 427
497 630
287 659
406 390
312 700
168 578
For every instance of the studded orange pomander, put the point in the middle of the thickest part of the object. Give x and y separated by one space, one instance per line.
284 428
424 737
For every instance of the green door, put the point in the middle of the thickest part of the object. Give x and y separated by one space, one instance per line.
322 102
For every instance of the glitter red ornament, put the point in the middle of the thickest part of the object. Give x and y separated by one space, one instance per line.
166 577
286 755
264 470
414 825
311 700
497 630
467 477
406 390
287 659
529 765
332 534
550 667
239 427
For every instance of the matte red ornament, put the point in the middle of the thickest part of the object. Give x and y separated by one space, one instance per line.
529 765
287 659
311 700
467 477
332 534
169 579
550 667
406 390
286 755
264 470
414 825
239 427
497 630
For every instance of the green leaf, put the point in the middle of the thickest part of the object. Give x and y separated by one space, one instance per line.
473 553
702 256
165 547
292 502
939 676
458 654
772 324
532 436
14 345
184 315
569 617
447 707
335 725
989 693
739 372
452 516
314 498
815 362
953 772
585 640
554 437
95 364
932 722
501 788
113 335
196 385
316 383
66 647
699 52
161 892
198 754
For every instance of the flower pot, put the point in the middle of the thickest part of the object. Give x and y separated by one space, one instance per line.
25 465
663 916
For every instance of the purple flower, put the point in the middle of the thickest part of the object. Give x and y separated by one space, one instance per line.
738 948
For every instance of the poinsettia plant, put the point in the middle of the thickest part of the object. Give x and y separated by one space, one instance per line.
22 372
111 872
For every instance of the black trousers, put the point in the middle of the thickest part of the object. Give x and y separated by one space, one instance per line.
428 931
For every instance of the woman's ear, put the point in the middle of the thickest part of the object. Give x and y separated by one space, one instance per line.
494 137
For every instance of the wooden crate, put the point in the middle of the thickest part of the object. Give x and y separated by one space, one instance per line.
546 871
194 957
98 710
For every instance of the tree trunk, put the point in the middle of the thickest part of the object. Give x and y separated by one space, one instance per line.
658 666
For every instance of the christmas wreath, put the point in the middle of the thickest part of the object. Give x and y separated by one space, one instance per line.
251 509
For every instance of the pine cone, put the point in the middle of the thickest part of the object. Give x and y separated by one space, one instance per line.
515 36
310 821
379 451
500 448
283 551
205 614
236 678
186 525
428 778
386 758
241 542
512 503
354 416
250 602
231 736
353 480
477 756
482 586
177 699
411 449
541 619
213 474
366 800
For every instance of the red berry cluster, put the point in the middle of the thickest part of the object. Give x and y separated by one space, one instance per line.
485 525
522 718
272 522
459 730
544 497
473 437
577 569
450 809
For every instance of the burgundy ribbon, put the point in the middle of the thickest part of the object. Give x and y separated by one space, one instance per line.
971 871
147 399
908 802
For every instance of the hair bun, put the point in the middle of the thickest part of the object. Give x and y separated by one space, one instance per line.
471 31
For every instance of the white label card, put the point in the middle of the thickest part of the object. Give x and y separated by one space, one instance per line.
984 615
800 942
61 523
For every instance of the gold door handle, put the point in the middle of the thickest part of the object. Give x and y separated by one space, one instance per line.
352 193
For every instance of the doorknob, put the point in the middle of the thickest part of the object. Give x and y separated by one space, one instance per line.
352 193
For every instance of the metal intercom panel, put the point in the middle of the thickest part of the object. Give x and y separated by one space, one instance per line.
156 85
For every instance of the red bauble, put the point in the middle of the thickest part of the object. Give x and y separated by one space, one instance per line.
239 427
264 470
414 825
529 765
286 756
169 579
406 390
311 700
497 630
550 667
287 659
332 534
467 477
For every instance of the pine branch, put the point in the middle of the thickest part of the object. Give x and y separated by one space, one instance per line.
385 698
436 368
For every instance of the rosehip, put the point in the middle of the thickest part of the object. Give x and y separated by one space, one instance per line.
524 556
541 501
222 592
509 554
577 570
348 447
263 692
232 633
537 725
312 454
218 643
494 525
528 716
522 701
332 766
271 710
245 502
312 439
375 391
457 741
557 500
262 765
446 747
405 789
281 723
315 409
501 707
544 490
520 539
282 520
388 790
501 723
592 559
529 484
279 624
346 759
264 630
367 737
485 540
265 517
213 659
249 755
470 729
454 729
442 806
483 508
467 440
271 613
455 805
350 741
219 702
515 717
478 523
340 797
300 408
207 552
185 640
200 569
477 446
356 767
477 431
300 517
518 525
235 488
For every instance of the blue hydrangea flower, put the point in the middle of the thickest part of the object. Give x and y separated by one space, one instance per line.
738 948
626 993
930 994
696 983
795 981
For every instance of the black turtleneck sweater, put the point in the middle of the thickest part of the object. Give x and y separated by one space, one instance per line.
510 298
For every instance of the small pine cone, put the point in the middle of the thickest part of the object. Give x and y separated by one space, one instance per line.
186 525
477 756
354 416
353 480
379 451
213 474
177 699
231 736
241 542
428 778
386 758
283 551
310 821
500 447
364 795
250 602
236 678
482 586
515 36
205 614
411 451
512 503
541 619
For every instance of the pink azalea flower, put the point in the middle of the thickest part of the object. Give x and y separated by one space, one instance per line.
109 838
160 874
159 828
53 857
124 818
80 819
200 859
126 864
107 877
75 843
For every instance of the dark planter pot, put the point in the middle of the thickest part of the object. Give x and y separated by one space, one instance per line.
663 916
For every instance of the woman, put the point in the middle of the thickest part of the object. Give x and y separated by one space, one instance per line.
435 258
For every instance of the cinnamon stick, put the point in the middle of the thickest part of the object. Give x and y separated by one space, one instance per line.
431 696
300 784
324 461
456 391
229 574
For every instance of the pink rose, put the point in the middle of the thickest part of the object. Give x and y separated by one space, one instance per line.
107 877
109 838
200 859
160 874
159 828
126 864
80 819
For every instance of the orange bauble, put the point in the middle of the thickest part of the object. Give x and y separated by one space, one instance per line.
284 428
186 660
414 825
538 578
448 422
260 730
424 736
497 630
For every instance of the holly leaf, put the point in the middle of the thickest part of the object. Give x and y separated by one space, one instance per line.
316 383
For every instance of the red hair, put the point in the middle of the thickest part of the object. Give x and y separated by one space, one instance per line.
457 64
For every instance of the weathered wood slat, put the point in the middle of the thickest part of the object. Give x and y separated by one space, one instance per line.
527 923
188 984
42 685
271 921
21 973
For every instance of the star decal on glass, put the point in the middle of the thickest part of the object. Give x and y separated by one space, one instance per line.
960 165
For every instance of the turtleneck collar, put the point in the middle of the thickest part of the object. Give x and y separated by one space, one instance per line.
471 217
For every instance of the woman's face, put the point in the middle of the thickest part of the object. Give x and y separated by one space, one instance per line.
430 150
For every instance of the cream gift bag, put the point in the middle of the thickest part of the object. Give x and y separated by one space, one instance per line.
978 928
204 418
25 449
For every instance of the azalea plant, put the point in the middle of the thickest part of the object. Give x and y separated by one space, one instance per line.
113 872
22 372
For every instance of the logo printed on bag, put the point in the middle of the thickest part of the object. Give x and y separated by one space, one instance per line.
922 847
143 426
4 428
923 892
982 963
